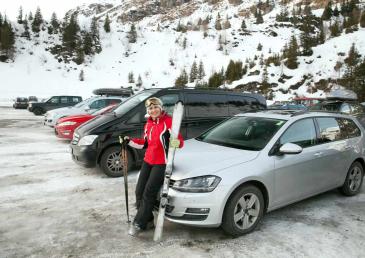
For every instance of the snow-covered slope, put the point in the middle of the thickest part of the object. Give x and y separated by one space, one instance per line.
159 56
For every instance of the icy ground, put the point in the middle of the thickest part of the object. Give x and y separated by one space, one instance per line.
50 207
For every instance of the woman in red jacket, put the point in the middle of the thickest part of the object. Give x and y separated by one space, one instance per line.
156 141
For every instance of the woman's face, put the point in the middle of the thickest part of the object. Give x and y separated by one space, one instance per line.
154 111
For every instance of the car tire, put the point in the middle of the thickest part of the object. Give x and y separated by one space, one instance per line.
110 162
243 211
38 111
354 179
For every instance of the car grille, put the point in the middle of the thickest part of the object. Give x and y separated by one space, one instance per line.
75 139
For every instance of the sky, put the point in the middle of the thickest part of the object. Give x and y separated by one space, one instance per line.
11 7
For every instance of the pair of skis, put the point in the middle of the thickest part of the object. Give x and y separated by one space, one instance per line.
175 129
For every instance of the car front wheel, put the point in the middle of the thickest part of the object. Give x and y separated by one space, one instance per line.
111 162
243 211
354 179
38 111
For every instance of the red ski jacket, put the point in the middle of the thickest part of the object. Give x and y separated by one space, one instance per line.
156 139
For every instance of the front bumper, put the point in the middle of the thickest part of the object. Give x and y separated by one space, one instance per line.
49 121
64 132
197 209
83 155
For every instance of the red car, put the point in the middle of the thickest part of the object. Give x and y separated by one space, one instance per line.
66 126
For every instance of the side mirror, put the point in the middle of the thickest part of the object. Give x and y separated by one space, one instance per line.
290 148
87 108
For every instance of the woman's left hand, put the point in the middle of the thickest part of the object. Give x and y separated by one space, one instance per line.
175 143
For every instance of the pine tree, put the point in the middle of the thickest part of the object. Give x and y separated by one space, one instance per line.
82 75
216 79
227 24
291 61
139 82
243 25
80 56
55 23
321 37
352 59
7 40
336 12
88 46
335 29
20 15
218 25
194 72
327 12
37 21
70 34
132 34
26 33
1 20
182 79
30 16
131 77
185 40
107 24
259 47
259 18
94 31
362 20
201 72
265 86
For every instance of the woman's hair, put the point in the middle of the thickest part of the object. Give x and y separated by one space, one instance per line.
153 101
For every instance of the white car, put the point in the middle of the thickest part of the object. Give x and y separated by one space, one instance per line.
234 173
87 106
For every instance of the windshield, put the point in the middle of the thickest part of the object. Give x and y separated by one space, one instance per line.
82 103
246 133
133 101
104 110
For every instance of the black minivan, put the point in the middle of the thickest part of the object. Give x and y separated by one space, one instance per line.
96 142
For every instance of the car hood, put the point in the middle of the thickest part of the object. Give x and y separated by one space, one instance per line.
69 111
198 158
75 118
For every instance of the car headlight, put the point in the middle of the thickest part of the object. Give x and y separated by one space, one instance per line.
87 140
66 123
199 184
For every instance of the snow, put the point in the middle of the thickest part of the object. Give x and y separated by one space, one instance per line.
51 207
36 71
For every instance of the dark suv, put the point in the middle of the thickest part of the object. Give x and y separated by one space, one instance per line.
96 142
39 108
20 103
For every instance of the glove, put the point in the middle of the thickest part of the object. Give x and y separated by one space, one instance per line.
124 139
175 143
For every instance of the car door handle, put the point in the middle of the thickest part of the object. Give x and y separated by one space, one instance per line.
317 154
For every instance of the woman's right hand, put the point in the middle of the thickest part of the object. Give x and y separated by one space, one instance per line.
123 139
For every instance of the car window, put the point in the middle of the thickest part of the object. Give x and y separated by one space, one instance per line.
302 133
248 133
169 102
329 130
64 100
75 99
348 128
254 103
345 108
113 101
237 104
97 104
206 105
53 100
357 109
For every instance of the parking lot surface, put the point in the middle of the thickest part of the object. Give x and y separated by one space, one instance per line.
51 207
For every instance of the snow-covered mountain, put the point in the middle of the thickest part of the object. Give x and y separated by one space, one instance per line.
163 50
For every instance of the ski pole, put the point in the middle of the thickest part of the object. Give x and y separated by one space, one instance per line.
124 157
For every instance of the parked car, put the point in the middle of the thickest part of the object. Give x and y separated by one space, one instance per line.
351 107
87 106
96 142
20 103
39 108
32 99
66 126
253 163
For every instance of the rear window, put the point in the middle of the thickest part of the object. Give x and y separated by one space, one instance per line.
348 128
206 105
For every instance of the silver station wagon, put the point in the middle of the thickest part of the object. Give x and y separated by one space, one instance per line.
254 163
